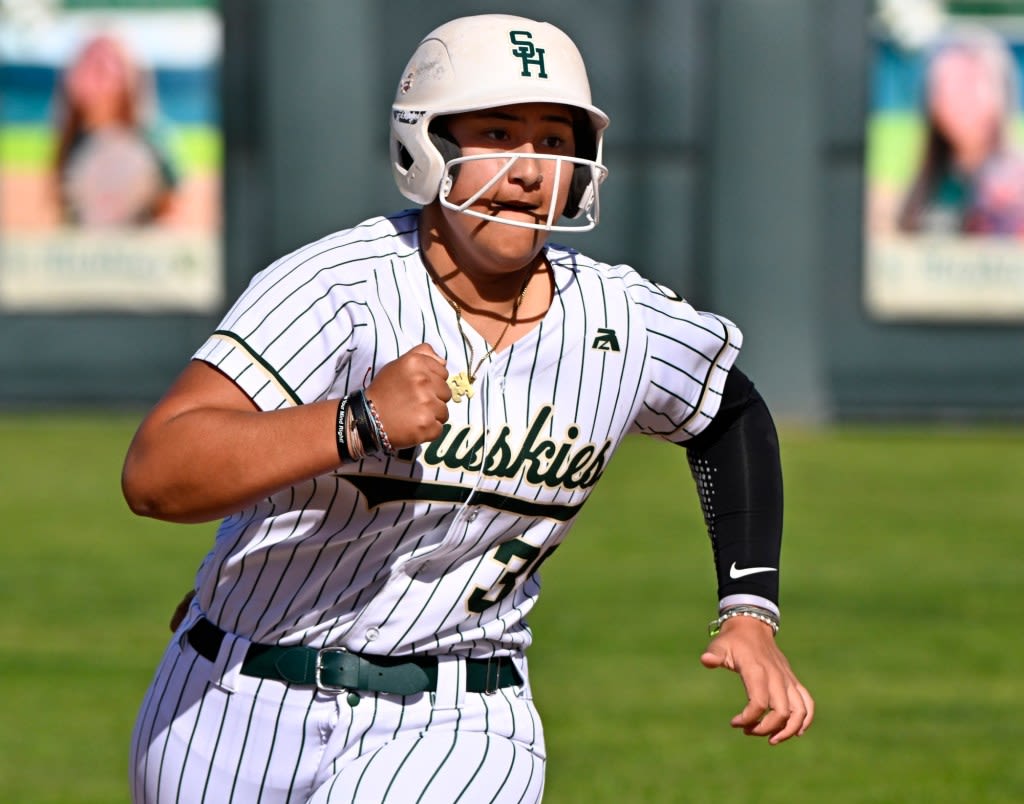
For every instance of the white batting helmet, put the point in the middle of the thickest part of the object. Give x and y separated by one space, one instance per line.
482 62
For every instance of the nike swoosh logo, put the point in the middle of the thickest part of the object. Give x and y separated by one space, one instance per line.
735 572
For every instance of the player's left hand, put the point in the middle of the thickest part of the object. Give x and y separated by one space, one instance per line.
778 705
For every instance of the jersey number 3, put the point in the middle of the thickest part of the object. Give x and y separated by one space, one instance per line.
521 559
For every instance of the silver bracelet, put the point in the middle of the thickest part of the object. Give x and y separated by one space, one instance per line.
378 428
758 613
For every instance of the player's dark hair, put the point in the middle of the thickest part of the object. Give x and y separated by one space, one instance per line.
443 140
445 143
586 148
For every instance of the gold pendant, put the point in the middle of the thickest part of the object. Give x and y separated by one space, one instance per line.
461 386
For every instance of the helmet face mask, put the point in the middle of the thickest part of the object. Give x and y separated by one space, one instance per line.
589 208
483 62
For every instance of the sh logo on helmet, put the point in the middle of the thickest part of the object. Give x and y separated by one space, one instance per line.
528 52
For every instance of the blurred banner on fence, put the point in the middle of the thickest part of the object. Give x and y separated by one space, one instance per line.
110 156
944 185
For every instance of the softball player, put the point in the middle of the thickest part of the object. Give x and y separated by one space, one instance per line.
397 425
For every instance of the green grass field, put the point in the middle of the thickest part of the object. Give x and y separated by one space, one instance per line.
901 613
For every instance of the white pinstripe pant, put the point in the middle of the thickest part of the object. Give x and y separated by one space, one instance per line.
203 735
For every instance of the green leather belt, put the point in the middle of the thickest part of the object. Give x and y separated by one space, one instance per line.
338 670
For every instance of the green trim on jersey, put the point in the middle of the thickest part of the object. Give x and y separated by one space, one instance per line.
285 387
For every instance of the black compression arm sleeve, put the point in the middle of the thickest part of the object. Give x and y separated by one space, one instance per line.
735 463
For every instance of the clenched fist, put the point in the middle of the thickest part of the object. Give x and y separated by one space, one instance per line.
411 396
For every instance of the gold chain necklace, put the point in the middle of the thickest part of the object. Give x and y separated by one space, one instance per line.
461 384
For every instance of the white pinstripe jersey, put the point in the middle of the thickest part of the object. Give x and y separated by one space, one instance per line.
435 550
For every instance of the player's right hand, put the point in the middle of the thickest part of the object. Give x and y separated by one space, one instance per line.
411 395
778 705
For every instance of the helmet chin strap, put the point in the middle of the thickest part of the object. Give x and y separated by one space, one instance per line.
465 208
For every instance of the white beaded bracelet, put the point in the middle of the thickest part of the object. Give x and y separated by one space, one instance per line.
758 613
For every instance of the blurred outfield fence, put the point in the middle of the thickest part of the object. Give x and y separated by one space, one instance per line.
737 158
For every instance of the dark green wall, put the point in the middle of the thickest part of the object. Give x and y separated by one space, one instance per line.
736 153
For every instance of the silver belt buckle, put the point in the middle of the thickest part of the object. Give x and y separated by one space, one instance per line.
319 668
